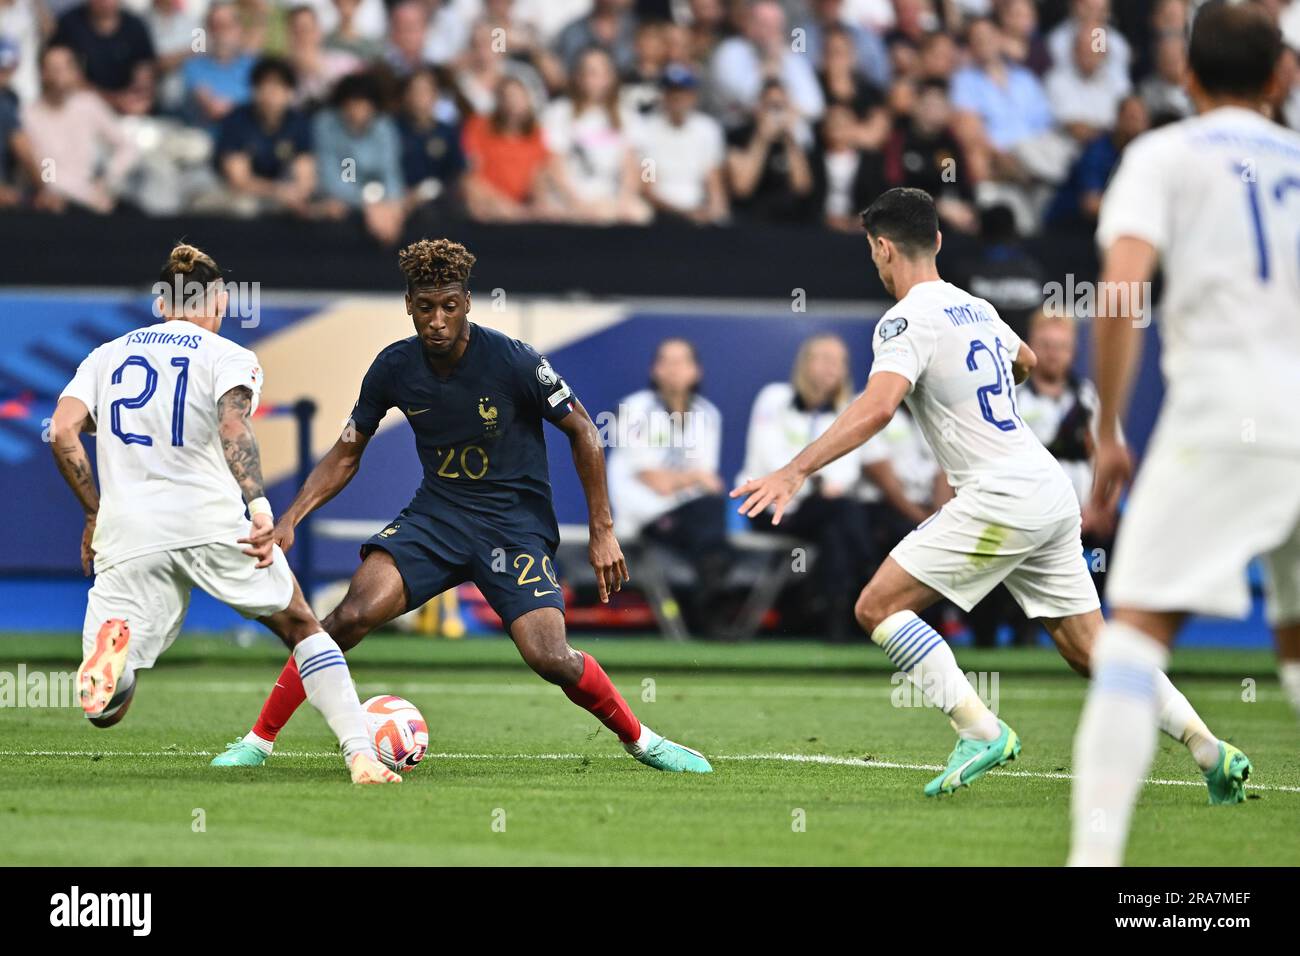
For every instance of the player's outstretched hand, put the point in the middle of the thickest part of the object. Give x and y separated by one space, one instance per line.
88 547
607 561
261 540
1112 469
284 534
775 489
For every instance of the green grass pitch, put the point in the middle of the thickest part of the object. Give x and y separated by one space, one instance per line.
813 765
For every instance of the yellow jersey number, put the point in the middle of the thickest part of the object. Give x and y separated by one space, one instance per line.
468 462
525 564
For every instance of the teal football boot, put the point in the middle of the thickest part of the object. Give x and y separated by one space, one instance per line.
971 759
240 754
663 754
1226 777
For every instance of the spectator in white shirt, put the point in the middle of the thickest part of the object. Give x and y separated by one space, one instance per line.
1090 16
683 153
1083 92
664 484
763 51
787 416
591 137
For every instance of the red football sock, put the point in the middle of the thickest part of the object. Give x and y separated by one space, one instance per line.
596 693
287 696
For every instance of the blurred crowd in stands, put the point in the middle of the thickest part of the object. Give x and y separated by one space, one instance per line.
586 111
666 488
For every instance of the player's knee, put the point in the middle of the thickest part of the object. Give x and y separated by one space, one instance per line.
557 664
869 611
348 624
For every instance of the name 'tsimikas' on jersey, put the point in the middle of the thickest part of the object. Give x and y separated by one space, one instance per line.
957 353
164 480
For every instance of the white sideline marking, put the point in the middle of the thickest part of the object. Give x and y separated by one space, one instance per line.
844 691
777 757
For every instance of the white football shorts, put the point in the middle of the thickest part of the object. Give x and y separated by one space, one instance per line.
964 556
1195 519
152 593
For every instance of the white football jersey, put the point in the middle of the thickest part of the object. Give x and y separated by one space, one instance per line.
957 352
1218 195
163 478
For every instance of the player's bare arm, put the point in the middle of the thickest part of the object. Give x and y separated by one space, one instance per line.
1023 364
244 458
857 424
1117 341
589 459
71 418
330 476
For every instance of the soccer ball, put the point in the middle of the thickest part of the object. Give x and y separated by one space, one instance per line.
398 730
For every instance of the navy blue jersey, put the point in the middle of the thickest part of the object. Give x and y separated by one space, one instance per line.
478 431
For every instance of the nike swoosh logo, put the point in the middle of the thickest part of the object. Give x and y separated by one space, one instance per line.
413 412
955 776
537 593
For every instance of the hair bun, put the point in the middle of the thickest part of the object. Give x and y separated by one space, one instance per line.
183 258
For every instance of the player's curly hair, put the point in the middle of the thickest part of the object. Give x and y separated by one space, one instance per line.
436 262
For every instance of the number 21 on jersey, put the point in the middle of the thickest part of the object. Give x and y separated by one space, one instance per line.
1000 389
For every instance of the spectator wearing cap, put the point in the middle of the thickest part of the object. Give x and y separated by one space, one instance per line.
610 25
432 160
264 148
107 40
767 168
507 160
591 138
685 152
216 81
785 417
870 56
358 159
21 27
762 51
77 136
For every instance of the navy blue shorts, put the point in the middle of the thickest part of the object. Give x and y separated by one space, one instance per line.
514 570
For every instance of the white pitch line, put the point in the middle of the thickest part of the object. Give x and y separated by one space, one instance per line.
826 759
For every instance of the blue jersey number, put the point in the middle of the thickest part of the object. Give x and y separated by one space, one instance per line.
996 388
1255 205
146 395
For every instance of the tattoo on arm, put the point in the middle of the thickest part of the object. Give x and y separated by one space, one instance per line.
238 442
74 465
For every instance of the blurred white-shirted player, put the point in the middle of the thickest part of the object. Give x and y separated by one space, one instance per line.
1215 199
178 463
1014 518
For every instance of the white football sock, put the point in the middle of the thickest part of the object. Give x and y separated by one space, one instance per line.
919 652
1288 672
1115 742
328 683
1181 721
263 745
